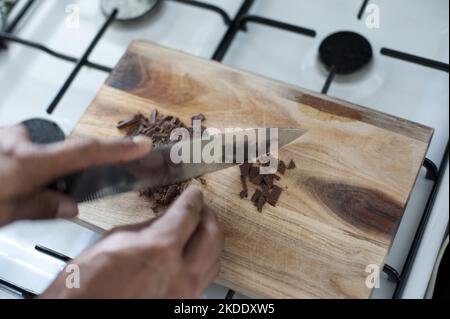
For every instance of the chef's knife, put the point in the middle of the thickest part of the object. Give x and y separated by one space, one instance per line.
158 168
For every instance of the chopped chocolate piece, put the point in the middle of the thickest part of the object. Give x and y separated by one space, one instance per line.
243 193
244 183
158 128
291 164
199 117
245 169
256 196
276 177
130 121
265 190
257 180
170 194
254 171
268 180
160 135
261 201
281 167
153 117
168 118
274 195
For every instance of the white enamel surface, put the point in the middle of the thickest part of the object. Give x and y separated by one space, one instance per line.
30 79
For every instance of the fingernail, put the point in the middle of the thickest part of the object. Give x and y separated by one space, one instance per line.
143 141
67 209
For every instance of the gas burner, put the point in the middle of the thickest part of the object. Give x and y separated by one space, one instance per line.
129 9
346 52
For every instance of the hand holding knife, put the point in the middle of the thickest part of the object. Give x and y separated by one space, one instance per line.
156 168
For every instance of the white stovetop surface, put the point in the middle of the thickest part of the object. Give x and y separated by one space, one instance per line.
29 80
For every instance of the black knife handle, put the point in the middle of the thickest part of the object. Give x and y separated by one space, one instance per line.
43 131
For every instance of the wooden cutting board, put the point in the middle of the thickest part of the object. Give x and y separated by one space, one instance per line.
341 207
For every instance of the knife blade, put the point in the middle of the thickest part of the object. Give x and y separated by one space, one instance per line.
158 167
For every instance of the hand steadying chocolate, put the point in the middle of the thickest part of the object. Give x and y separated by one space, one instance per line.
176 255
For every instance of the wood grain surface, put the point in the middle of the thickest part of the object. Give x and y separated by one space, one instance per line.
341 206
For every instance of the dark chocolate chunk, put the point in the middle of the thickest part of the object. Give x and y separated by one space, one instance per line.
257 180
244 183
130 121
199 117
274 195
260 203
158 128
281 167
170 194
254 171
268 180
245 169
276 177
265 190
291 164
256 196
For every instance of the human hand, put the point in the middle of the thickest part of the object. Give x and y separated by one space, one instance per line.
25 168
173 256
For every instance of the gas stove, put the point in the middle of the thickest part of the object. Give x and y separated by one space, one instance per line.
391 56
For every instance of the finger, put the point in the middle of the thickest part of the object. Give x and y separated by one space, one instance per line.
205 246
209 278
57 159
132 228
42 205
11 136
182 218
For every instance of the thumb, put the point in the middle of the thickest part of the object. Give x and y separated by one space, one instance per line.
42 205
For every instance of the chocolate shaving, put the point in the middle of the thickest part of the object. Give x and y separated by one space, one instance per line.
276 177
199 117
260 203
245 169
171 193
291 164
136 118
158 127
244 186
265 190
274 195
254 171
268 180
281 167
256 196
257 180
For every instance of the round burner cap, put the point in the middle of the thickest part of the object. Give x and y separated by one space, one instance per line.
128 9
346 51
